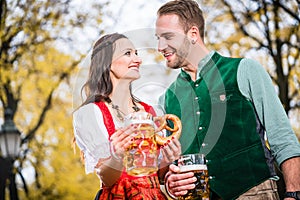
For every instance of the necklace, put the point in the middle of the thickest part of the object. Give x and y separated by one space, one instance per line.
120 113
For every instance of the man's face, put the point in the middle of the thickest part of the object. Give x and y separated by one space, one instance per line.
172 41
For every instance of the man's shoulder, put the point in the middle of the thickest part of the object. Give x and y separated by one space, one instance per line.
176 82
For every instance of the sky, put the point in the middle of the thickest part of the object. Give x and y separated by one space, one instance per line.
130 14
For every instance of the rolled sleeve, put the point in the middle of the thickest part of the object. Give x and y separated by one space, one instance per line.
255 83
91 135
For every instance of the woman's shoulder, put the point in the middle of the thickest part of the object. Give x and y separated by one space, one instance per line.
85 110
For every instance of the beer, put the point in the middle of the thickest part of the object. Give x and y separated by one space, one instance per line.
195 163
141 156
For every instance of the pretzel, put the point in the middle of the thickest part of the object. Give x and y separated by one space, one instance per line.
176 131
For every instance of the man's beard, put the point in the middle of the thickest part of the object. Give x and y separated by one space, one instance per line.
181 55
177 63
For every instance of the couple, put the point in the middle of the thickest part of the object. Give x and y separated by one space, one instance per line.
228 107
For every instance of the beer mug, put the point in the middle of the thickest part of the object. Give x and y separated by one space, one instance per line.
195 163
141 156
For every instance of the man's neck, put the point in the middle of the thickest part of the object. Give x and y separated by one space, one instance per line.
198 52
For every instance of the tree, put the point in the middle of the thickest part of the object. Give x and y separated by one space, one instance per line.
270 28
33 67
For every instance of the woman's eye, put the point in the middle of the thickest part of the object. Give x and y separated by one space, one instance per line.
136 53
127 53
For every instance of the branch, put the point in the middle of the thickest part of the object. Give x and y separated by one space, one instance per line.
296 57
279 43
3 9
48 104
294 94
267 33
12 102
290 12
24 46
242 25
296 106
23 181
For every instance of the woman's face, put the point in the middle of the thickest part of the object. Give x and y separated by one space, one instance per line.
126 63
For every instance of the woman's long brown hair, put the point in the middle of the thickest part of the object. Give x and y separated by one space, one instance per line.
99 86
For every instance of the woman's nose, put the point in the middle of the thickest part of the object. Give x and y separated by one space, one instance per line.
137 59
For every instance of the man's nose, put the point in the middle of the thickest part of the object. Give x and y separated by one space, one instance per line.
162 44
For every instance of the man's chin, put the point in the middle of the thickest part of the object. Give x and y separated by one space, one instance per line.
173 66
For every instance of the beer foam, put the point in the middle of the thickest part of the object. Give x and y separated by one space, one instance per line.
186 168
144 121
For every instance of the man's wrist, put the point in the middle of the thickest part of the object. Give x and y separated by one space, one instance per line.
293 194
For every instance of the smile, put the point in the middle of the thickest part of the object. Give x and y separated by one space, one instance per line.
134 68
168 54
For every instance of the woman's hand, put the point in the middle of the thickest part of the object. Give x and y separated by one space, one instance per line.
171 150
121 140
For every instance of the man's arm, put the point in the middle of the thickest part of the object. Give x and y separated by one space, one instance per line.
256 85
291 172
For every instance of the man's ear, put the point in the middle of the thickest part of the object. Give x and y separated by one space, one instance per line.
193 34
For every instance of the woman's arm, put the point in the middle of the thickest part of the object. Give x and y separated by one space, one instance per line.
111 169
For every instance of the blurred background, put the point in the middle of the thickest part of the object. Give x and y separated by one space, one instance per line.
44 51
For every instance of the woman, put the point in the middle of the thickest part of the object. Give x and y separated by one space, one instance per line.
98 123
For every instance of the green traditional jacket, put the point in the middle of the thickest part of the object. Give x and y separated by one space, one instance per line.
221 123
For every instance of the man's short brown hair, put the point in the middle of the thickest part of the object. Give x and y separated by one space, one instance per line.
188 11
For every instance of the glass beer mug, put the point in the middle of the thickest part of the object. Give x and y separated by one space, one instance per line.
141 156
195 163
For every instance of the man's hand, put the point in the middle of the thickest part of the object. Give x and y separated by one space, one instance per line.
178 183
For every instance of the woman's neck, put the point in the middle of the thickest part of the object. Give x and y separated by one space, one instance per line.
121 96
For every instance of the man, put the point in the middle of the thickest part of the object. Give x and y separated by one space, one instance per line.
229 110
